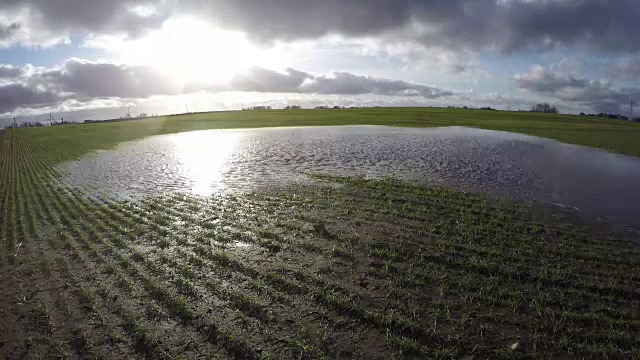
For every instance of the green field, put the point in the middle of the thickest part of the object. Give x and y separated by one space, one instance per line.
346 268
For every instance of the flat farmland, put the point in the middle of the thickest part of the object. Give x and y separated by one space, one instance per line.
345 268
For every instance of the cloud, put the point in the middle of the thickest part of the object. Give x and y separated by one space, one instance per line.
8 30
506 25
258 79
339 83
45 22
9 71
88 79
596 95
96 15
626 68
16 96
295 19
84 81
541 80
27 87
350 84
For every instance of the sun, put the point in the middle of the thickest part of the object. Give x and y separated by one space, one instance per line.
192 51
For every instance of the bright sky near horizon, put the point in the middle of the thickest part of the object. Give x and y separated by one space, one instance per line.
92 59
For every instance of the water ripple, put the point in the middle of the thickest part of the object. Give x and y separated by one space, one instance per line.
501 163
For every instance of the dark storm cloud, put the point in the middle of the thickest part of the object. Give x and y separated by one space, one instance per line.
595 95
503 24
79 80
20 96
87 79
506 25
291 19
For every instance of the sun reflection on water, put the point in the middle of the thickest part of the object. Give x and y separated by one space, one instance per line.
203 158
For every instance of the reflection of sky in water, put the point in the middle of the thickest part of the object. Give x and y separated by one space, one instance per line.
498 163
202 158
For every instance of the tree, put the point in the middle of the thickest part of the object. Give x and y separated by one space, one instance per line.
544 108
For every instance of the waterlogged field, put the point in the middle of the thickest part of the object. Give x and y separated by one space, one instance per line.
612 135
346 268
494 163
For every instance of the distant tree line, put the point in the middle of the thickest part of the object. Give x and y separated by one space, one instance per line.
26 124
320 107
545 108
472 108
259 107
611 116
326 107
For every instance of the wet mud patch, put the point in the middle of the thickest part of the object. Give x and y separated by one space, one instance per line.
367 269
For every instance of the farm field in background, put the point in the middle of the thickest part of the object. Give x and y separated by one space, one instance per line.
614 135
345 268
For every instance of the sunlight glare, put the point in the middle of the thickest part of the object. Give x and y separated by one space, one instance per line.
192 51
203 157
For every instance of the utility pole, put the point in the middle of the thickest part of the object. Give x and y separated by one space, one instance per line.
631 110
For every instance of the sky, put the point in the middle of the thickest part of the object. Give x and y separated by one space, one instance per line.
98 59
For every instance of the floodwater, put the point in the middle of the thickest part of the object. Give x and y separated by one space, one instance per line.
524 167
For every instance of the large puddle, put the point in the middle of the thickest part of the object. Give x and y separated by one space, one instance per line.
498 163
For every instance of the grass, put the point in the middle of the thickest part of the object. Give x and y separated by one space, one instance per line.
380 269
